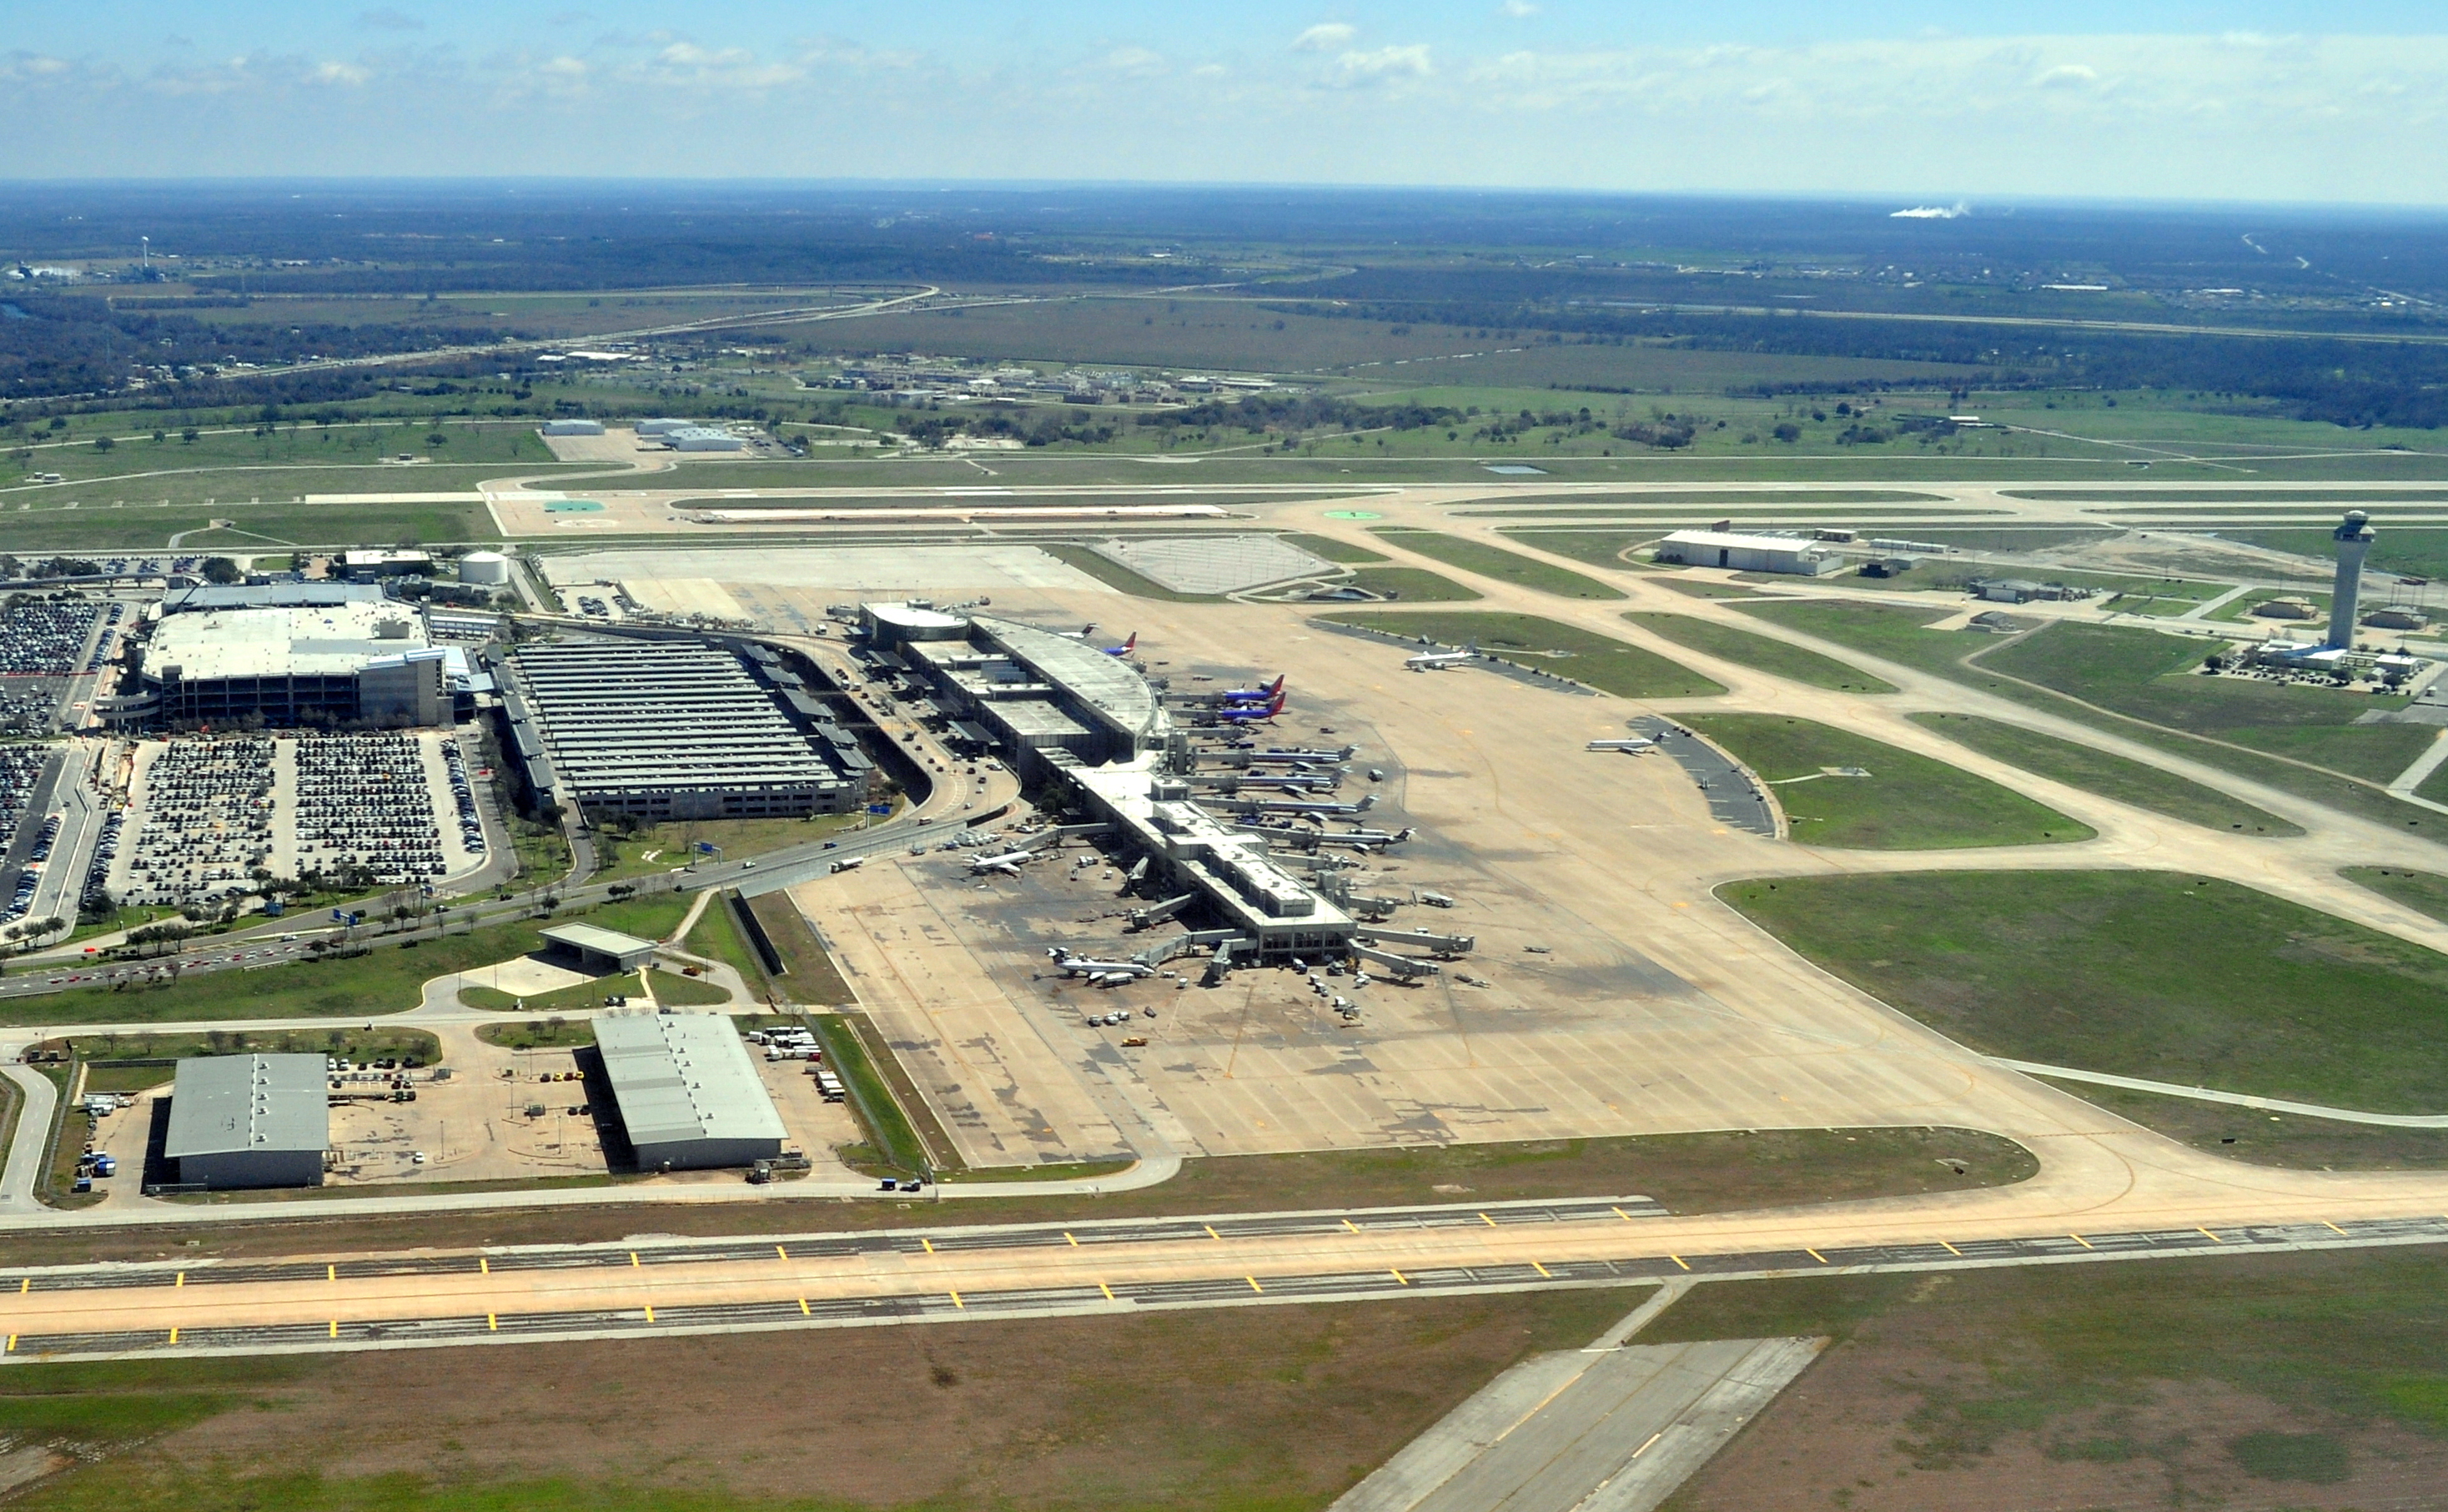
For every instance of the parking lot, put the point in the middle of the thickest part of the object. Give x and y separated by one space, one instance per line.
203 814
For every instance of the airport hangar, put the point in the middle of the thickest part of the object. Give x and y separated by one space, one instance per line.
249 1120
689 1096
1085 723
662 729
288 655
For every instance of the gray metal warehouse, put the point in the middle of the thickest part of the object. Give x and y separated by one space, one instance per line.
601 949
249 1120
688 1094
663 730
1749 551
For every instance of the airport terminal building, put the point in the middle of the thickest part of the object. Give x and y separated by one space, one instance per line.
664 730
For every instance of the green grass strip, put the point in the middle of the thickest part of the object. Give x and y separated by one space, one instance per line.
1765 653
1568 651
2111 776
1495 562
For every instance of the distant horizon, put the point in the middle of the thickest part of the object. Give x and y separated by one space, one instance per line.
2274 102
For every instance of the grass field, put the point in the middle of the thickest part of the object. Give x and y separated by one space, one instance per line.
2153 974
1906 802
2276 1382
1332 548
2423 892
1765 653
1413 586
1285 1408
389 980
2133 659
894 1144
148 526
657 848
2111 776
1608 665
2267 1139
810 977
1495 562
1599 549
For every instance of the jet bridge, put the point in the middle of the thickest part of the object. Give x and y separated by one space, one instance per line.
1421 939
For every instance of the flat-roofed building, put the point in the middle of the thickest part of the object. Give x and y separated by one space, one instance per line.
361 660
689 1096
663 730
249 1120
599 948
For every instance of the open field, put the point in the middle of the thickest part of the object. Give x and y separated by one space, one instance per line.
2285 1380
1900 634
1413 586
1113 574
1495 562
2111 776
1610 666
149 526
387 980
810 976
2288 1141
1285 1408
1333 549
1765 653
1841 789
1599 549
657 848
2424 890
2078 969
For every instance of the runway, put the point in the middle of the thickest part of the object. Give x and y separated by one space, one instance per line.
1005 1272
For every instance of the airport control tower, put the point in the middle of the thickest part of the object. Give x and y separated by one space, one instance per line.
2354 538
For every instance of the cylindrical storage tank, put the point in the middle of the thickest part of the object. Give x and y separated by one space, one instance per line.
489 568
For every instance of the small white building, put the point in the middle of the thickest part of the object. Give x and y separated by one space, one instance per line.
1746 553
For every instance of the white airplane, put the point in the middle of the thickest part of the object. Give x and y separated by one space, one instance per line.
1439 660
1008 863
1101 971
1634 745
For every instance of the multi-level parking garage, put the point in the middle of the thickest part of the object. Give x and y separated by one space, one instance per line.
663 730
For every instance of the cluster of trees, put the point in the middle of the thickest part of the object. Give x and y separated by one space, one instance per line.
1295 414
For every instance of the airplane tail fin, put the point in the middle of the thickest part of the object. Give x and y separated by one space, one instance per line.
1275 705
1276 686
1132 644
1473 647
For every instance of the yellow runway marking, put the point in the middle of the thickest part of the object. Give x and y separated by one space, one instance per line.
1541 1270
1254 1283
335 1327
1108 1290
2212 1237
1678 1260
12 1343
650 1312
1399 1275
492 1322
183 1280
1648 1444
2079 1239
958 1303
633 1262
805 1310
1621 1214
929 1243
174 1335
1814 1255
1484 1218
2332 1228
1347 1223
25 1285
1066 1234
484 1266
1219 1238
1950 1248
331 1273
779 1254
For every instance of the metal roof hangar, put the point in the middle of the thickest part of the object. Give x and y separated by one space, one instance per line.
249 1120
689 1096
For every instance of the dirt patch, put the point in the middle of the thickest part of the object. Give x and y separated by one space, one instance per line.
1273 1407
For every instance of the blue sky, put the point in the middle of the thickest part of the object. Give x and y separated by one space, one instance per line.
2277 101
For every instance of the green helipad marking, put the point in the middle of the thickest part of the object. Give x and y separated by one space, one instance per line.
1354 514
573 507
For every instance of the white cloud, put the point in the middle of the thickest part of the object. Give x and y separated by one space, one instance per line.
1325 37
1137 62
342 73
1358 70
2067 76
1519 10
